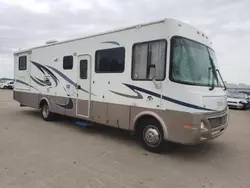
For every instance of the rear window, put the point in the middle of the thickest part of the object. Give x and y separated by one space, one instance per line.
22 63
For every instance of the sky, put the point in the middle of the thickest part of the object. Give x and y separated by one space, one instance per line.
27 23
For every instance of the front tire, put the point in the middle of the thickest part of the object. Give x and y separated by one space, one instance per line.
151 135
45 112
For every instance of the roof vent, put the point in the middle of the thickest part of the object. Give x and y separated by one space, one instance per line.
51 41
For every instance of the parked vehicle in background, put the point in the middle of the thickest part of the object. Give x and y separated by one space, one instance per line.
238 100
7 85
248 100
248 96
10 85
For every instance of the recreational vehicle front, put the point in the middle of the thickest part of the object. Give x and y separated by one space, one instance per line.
160 80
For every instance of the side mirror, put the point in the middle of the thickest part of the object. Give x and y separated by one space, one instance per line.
152 71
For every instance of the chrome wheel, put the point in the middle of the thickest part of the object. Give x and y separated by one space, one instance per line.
45 111
152 136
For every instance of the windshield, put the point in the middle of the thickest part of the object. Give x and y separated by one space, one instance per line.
191 63
237 95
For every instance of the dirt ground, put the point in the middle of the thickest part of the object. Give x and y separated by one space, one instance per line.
38 154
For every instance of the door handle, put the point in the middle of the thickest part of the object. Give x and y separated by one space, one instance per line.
78 87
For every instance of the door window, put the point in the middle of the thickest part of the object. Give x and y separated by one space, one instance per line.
84 69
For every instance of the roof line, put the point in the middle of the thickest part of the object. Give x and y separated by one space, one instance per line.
93 35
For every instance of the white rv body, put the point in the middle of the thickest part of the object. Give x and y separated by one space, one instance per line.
115 99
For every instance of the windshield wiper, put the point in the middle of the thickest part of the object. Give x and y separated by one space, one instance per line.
212 68
214 76
209 77
225 87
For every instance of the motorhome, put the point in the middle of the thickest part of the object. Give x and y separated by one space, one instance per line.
159 80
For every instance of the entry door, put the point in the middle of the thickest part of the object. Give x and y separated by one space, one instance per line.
83 86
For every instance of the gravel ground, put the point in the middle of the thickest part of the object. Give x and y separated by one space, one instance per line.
38 154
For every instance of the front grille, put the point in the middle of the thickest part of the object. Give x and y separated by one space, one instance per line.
218 121
232 102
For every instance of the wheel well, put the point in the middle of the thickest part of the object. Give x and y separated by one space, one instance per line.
137 126
42 102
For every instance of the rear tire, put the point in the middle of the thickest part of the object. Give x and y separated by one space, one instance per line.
45 112
150 135
5 87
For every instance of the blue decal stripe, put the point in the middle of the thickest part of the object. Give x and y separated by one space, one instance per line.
37 82
67 78
63 75
184 103
67 106
142 90
39 66
167 98
24 83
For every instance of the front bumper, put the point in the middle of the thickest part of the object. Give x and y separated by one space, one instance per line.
215 124
212 131
239 105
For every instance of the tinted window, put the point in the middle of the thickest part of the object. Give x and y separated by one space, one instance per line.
67 62
110 60
84 69
22 63
149 59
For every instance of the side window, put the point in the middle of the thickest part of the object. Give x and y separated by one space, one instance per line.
67 62
84 69
146 56
110 60
22 63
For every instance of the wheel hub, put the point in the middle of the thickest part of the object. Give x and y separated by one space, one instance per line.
45 111
152 136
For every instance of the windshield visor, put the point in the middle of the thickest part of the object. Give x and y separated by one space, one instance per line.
190 63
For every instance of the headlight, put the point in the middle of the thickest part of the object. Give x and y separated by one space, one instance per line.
244 102
203 128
